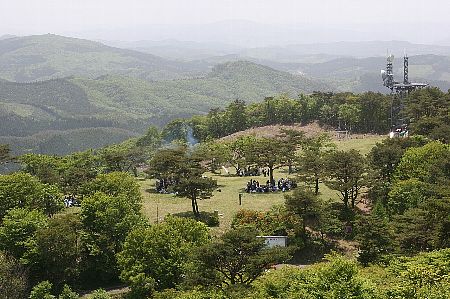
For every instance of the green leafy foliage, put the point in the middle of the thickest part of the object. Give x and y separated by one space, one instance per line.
54 254
99 294
106 220
185 173
239 257
67 293
115 184
24 191
14 278
43 290
338 278
18 230
345 173
5 154
277 221
374 237
424 228
422 276
311 160
156 257
306 205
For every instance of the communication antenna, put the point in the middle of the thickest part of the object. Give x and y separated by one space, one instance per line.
405 69
399 91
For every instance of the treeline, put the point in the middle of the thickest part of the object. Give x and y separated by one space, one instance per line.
426 110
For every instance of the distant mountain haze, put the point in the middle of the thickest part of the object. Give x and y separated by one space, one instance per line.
41 57
246 33
55 91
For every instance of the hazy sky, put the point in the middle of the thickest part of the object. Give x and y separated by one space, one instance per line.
74 16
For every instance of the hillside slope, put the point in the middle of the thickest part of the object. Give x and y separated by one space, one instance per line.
42 57
133 104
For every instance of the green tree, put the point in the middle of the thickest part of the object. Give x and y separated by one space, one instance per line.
269 152
237 152
126 156
349 114
345 173
55 253
374 239
429 113
106 221
278 221
176 130
304 204
375 112
156 257
152 138
383 159
215 123
407 194
185 171
236 117
115 184
5 154
423 228
13 278
167 163
195 187
46 168
311 160
18 230
424 276
214 153
78 168
239 257
429 163
24 191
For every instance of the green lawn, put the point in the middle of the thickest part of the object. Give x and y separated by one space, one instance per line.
226 201
363 144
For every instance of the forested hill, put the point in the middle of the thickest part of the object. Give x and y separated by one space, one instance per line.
134 104
41 57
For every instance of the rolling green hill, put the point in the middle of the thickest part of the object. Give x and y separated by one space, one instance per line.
133 104
42 57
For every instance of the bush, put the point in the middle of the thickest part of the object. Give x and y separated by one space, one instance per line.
99 294
208 218
42 291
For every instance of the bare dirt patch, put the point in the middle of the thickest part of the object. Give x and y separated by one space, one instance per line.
310 130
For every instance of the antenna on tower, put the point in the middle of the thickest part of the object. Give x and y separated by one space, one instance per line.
399 90
405 68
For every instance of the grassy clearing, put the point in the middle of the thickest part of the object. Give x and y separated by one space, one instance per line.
360 143
226 202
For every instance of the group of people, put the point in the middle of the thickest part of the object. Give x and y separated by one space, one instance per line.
253 186
71 201
253 171
162 185
249 171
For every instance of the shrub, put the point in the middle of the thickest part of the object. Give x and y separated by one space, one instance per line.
208 218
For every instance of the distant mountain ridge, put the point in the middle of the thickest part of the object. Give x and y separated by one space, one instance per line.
43 57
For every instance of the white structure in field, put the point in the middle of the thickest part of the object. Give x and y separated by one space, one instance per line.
272 241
